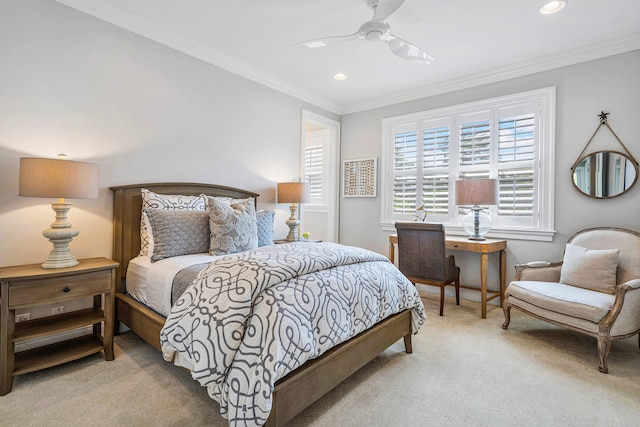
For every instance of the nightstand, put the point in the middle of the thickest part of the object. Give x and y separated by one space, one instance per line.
31 285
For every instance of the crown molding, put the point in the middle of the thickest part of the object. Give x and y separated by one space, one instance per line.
603 49
128 20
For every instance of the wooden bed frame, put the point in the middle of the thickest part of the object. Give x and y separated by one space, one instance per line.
297 390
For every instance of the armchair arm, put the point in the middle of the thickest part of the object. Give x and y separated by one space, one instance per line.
624 317
540 271
632 284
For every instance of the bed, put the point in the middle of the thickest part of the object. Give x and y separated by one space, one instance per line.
296 390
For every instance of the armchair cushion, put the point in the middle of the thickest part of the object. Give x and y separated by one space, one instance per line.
593 269
560 298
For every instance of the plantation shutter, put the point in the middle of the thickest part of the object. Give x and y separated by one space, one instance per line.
313 166
405 183
516 155
475 148
436 159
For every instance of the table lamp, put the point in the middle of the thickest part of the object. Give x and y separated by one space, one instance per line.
293 193
476 193
58 178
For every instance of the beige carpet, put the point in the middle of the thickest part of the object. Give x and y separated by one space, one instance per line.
465 371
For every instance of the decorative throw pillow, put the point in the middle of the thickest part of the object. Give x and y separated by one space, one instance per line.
178 232
264 222
593 269
166 202
233 226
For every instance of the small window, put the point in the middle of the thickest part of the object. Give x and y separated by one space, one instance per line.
316 166
313 170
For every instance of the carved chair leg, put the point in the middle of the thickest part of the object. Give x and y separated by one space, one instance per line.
604 345
507 314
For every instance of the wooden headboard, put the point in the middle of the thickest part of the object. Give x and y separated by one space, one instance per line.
127 210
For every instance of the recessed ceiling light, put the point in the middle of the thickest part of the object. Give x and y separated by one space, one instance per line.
340 76
552 6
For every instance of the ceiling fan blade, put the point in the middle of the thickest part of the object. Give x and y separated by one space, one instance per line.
385 8
408 51
324 41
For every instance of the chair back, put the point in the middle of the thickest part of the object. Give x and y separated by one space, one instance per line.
421 250
627 241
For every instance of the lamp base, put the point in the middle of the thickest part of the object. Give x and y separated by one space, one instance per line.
60 234
60 256
293 224
476 223
477 238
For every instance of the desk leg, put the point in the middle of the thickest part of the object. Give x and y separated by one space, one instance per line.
392 251
503 274
484 268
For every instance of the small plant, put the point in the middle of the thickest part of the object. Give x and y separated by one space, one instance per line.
306 235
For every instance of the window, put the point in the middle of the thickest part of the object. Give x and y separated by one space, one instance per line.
510 138
316 164
313 170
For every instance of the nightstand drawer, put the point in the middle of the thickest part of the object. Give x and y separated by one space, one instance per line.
60 288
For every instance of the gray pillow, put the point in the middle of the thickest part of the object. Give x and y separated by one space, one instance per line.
178 232
167 202
593 269
264 222
233 226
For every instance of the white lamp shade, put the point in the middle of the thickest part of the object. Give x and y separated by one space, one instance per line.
54 178
477 192
294 192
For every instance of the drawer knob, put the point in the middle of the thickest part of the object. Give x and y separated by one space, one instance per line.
66 289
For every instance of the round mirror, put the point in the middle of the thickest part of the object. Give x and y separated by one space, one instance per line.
605 174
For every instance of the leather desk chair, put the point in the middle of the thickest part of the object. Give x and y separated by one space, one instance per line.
423 259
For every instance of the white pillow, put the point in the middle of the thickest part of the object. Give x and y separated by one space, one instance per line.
233 226
165 202
593 269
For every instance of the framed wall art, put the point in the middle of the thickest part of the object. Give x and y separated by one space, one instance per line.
359 177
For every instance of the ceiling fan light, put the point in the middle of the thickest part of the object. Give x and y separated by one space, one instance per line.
552 6
315 43
374 35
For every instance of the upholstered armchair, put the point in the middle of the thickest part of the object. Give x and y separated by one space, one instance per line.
594 290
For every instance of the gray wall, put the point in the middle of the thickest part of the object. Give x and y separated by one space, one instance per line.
611 84
73 84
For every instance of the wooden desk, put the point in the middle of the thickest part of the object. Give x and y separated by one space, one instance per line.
484 248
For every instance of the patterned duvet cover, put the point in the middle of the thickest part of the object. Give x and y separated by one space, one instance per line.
248 319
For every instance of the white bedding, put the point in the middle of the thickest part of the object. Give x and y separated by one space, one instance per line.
150 283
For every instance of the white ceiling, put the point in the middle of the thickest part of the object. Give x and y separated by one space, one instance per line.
473 42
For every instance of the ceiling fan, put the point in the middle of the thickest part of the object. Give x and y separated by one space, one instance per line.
378 30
